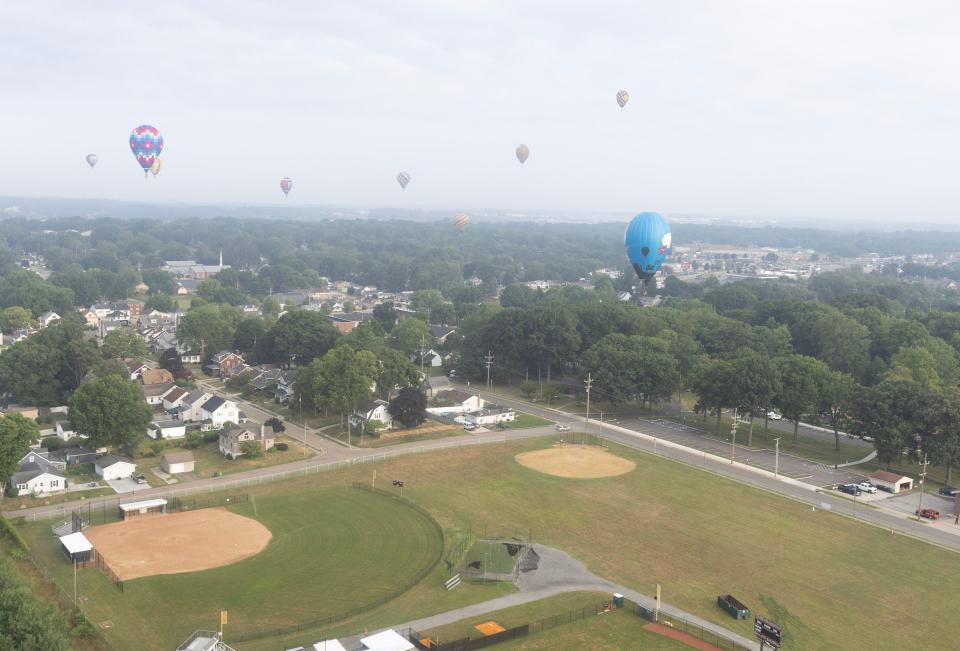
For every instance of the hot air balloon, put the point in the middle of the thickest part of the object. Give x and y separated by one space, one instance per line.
92 159
146 143
155 168
461 221
285 184
403 178
622 98
648 242
523 153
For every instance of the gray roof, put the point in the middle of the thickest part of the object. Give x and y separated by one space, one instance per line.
366 406
213 404
441 331
178 457
195 395
454 395
30 471
108 460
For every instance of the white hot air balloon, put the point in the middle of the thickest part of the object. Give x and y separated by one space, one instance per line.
92 159
403 178
523 153
622 98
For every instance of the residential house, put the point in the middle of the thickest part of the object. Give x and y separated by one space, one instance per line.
156 376
285 390
111 467
72 456
167 429
47 318
174 398
153 393
368 410
433 359
489 415
34 479
64 430
187 286
217 411
891 481
455 401
224 364
23 410
345 327
136 369
235 434
174 463
190 408
41 457
265 379
440 333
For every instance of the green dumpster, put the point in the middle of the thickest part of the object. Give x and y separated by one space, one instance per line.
736 609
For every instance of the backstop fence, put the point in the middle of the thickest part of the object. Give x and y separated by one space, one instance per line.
106 512
684 626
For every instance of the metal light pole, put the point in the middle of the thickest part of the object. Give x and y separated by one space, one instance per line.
588 382
776 458
733 436
923 476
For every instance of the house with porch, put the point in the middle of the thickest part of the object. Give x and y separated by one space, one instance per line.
235 435
368 410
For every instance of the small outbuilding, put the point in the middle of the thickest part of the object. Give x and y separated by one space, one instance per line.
143 507
328 645
891 481
388 640
76 547
111 467
177 462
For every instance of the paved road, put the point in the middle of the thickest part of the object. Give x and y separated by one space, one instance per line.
651 437
559 572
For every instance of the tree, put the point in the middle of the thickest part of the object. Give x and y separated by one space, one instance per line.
889 414
409 408
712 382
394 370
276 425
123 343
342 378
171 360
209 328
247 333
16 435
410 334
757 384
251 449
302 336
28 622
14 318
372 427
270 306
528 389
386 315
803 379
159 302
111 411
159 281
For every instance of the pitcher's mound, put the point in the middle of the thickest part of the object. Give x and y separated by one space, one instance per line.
178 542
576 461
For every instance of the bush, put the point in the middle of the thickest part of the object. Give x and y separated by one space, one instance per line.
283 447
20 547
251 449
82 627
157 447
193 440
210 437
52 443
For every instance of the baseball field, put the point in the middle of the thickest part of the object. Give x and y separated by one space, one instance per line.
830 582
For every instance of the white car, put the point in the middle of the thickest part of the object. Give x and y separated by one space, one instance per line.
772 415
563 427
867 487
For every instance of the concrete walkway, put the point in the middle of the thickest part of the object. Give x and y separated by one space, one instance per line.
558 572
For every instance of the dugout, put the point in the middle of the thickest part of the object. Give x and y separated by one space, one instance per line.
144 507
76 547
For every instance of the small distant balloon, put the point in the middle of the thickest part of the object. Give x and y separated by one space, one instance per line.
92 159
523 153
648 242
286 183
461 221
403 178
146 143
155 168
622 98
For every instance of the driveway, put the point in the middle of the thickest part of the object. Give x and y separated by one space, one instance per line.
125 485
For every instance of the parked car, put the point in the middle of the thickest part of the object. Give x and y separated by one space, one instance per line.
949 491
849 489
931 514
140 479
469 427
563 427
452 373
772 415
867 487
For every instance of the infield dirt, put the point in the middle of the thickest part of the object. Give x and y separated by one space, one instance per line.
178 542
576 462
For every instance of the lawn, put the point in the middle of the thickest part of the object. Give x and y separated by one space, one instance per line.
526 420
492 556
333 550
696 534
210 461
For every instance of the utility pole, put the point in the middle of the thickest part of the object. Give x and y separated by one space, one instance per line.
422 352
588 382
733 436
488 362
923 475
776 458
304 426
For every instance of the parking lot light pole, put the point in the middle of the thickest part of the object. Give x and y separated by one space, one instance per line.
923 476
776 458
733 437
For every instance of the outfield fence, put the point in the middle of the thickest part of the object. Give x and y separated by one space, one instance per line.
217 485
104 567
333 619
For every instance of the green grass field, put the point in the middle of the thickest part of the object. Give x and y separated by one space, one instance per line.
333 550
492 556
617 630
527 420
830 582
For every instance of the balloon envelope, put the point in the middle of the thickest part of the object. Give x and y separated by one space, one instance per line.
461 221
403 178
92 159
285 184
622 98
648 241
146 143
523 153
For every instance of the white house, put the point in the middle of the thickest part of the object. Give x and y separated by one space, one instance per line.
153 393
455 401
65 430
174 397
433 359
216 411
167 429
111 467
32 479
368 410
489 415
177 462
190 406
47 318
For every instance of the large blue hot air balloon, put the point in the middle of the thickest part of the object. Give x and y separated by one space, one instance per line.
648 243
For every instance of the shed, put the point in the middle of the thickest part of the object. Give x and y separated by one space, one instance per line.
891 481
177 462
328 645
76 547
388 640
111 467
143 507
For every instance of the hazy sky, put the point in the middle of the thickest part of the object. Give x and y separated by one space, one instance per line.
820 109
